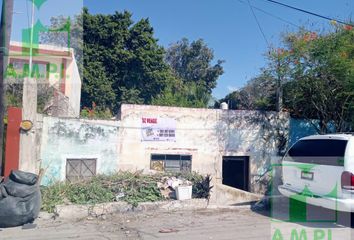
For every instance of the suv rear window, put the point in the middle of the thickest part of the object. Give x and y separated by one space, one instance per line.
318 151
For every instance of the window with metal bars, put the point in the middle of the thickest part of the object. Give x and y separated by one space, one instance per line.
171 162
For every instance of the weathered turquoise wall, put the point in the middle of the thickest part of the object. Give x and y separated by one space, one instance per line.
300 128
74 138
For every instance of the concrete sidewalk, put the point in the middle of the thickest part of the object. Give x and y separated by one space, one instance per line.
220 224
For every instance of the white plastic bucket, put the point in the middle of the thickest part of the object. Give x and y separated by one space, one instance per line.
184 192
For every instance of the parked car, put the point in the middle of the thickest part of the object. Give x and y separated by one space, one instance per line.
321 168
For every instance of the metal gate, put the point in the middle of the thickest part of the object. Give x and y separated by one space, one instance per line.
77 169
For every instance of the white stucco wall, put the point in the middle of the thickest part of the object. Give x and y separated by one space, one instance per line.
207 135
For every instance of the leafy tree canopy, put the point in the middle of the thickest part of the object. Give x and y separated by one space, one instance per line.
322 77
192 62
315 72
196 76
121 62
257 94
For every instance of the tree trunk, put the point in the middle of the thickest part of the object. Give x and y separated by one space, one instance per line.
279 90
5 34
323 126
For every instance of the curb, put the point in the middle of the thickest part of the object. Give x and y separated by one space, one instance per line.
73 212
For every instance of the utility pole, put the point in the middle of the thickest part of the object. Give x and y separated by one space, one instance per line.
5 34
28 139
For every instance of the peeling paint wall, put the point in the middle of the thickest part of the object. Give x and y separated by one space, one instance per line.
64 139
207 135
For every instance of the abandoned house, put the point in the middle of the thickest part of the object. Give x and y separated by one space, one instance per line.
235 147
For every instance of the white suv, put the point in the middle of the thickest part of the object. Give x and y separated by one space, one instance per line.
320 169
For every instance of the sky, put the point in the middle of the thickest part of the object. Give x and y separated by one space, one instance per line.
227 26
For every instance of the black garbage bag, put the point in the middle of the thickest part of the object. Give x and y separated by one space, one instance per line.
20 199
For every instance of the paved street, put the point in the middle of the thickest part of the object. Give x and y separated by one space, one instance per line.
229 224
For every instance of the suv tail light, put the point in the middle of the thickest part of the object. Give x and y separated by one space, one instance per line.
347 180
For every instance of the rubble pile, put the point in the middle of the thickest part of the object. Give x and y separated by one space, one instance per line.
168 186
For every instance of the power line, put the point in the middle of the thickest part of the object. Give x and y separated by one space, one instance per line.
311 13
272 15
259 25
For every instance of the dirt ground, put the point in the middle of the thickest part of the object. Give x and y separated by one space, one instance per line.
228 224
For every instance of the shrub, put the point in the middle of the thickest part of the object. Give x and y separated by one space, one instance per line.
52 196
133 188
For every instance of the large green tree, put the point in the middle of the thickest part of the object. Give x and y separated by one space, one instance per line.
196 75
192 62
322 78
122 61
315 72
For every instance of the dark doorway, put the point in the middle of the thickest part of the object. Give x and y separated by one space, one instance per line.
235 172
